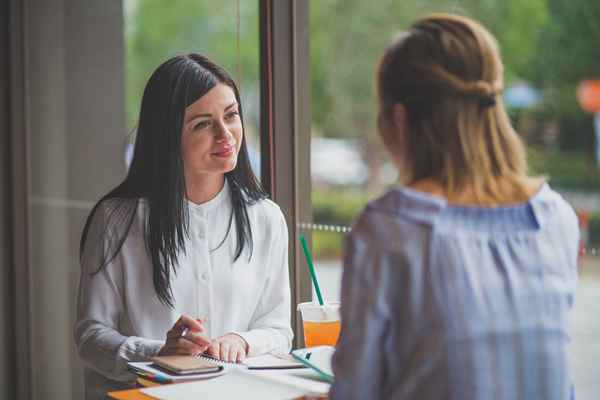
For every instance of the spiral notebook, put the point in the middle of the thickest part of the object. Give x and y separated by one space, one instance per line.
183 365
266 361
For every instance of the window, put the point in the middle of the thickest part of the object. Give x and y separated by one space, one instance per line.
349 166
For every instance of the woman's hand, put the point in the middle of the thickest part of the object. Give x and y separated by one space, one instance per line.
184 338
229 347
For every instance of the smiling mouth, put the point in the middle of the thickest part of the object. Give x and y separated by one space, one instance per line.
225 152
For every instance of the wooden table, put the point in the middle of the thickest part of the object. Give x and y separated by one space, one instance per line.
133 394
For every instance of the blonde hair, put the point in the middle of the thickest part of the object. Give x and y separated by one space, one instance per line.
447 73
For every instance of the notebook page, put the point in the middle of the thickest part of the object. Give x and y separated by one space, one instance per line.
264 361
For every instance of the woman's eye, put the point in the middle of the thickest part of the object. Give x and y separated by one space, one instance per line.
231 114
201 125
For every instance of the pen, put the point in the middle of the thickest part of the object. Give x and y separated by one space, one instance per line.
154 377
186 329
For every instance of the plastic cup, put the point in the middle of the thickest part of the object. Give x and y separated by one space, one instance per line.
321 323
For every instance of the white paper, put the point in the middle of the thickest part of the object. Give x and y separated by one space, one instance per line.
305 379
237 383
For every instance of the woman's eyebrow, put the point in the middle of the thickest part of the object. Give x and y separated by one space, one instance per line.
209 115
197 116
231 105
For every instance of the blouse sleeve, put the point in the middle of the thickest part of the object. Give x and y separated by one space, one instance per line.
99 309
358 362
270 328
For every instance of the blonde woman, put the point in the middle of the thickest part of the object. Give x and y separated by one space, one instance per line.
458 284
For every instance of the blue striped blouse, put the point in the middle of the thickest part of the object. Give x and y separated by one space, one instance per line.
448 302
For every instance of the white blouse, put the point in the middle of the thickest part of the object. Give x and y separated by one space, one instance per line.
120 318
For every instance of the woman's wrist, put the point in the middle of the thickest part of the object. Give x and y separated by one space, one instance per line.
242 341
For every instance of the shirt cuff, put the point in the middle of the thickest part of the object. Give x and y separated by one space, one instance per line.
257 343
139 349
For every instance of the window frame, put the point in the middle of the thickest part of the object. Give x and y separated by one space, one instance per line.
285 128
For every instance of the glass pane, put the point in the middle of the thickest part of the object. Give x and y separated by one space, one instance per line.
541 92
156 30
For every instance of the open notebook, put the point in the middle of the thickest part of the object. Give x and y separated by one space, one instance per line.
266 361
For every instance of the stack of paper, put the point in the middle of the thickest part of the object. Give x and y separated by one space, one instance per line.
240 383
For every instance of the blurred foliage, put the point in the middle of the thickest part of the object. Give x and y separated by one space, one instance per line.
594 230
338 207
569 54
564 170
342 96
334 207
157 30
327 245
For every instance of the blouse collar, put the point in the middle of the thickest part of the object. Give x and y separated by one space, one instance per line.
430 209
222 198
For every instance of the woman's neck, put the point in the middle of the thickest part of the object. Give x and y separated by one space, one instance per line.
203 188
468 197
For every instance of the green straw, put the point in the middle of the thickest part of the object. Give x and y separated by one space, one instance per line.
311 268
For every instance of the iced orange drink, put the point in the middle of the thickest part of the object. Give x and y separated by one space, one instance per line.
321 323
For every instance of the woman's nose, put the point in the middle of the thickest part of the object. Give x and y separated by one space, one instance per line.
222 132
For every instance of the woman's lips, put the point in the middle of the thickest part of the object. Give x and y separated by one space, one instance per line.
224 152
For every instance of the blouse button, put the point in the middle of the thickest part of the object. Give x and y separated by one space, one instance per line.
204 277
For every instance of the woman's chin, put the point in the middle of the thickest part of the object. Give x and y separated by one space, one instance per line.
225 166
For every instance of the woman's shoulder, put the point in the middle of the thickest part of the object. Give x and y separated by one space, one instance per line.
393 221
267 211
549 204
108 214
106 207
402 207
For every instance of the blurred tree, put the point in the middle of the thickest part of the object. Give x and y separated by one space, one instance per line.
569 54
157 30
348 37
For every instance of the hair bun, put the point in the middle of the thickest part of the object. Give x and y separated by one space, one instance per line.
435 76
485 91
488 101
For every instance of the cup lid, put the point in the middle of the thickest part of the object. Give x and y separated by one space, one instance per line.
320 313
314 305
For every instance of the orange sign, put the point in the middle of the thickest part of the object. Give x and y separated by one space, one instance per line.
588 94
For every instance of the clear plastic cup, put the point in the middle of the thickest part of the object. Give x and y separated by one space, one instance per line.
321 323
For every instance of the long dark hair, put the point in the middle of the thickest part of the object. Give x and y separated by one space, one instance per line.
156 173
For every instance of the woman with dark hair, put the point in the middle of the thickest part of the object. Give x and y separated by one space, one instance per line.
457 285
186 255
